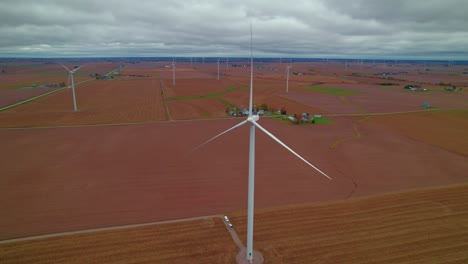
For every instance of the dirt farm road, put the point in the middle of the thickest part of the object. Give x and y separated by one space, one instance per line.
232 232
49 93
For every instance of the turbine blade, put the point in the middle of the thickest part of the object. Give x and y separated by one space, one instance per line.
220 134
65 67
78 68
288 148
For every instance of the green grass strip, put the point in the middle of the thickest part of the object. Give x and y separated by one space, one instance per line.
213 95
331 91
322 120
226 103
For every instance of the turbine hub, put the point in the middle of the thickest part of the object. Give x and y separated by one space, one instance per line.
253 118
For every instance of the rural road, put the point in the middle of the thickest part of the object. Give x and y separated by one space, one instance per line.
258 258
86 231
46 94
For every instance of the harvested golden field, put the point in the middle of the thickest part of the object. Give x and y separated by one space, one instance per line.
196 241
422 226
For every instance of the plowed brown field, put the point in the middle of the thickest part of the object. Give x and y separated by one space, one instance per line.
99 102
446 129
198 241
417 226
9 97
423 226
65 179
188 87
196 108
86 177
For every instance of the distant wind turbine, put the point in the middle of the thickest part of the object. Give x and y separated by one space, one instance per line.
252 119
287 78
173 72
218 69
70 76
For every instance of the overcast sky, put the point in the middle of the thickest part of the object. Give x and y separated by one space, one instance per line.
312 28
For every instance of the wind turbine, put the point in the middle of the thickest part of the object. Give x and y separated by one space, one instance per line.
287 78
70 76
173 72
252 119
218 69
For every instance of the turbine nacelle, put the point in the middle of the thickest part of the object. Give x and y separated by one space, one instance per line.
253 118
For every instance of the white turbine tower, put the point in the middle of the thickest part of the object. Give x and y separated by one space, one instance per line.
218 69
287 78
173 72
252 119
70 76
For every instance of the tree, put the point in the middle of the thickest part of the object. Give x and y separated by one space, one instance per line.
264 107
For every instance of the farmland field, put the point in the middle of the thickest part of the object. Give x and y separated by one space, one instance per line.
195 241
127 157
99 102
407 227
415 226
332 91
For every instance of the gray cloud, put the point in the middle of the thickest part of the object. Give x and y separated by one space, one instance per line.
317 28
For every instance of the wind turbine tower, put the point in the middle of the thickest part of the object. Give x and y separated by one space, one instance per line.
173 72
287 78
252 119
218 69
70 76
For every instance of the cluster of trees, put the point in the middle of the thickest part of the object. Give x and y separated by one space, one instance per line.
412 86
272 109
389 84
451 87
264 107
445 84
